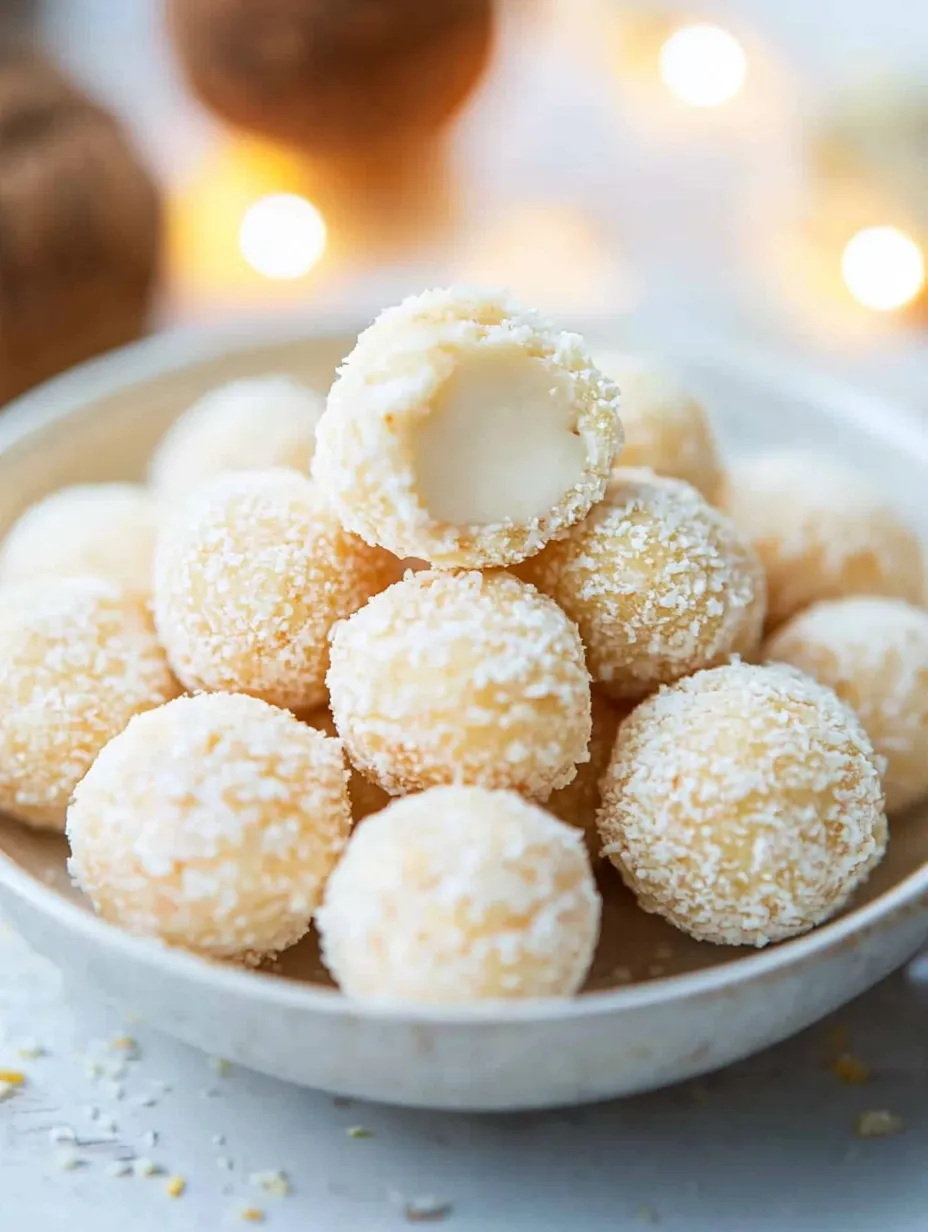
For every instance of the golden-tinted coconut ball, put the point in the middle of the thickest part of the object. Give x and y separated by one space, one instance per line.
821 532
333 76
578 802
461 678
105 530
78 658
80 220
250 424
659 582
250 576
365 796
743 804
666 429
211 823
461 894
466 430
874 653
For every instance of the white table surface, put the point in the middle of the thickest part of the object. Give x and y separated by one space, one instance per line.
769 1144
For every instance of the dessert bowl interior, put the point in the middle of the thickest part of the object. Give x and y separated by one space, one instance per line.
658 1006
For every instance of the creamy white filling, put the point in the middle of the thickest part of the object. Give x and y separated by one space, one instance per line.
500 442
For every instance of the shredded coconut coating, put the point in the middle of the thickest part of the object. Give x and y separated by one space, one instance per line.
461 678
659 583
666 429
743 804
212 823
457 895
874 653
365 796
251 424
105 530
391 381
250 576
821 532
78 658
578 802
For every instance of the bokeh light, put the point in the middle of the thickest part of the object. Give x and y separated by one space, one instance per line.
282 236
883 268
704 66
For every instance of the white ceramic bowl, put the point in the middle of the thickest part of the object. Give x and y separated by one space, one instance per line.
689 1007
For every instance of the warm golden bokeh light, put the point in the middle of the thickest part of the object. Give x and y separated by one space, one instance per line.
883 268
282 236
704 66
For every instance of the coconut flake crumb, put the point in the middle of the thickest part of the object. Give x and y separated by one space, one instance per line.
144 1167
272 1182
358 1131
878 1123
175 1186
850 1070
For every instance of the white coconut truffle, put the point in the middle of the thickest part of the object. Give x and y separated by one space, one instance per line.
457 895
743 804
874 653
659 582
212 823
461 678
821 533
78 658
666 428
105 530
250 424
250 576
466 430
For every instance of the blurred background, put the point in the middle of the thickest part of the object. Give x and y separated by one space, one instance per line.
756 168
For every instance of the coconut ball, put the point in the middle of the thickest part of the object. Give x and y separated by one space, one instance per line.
659 583
102 530
366 797
743 804
78 658
466 430
484 895
666 428
249 424
211 823
821 532
461 678
250 576
874 653
578 802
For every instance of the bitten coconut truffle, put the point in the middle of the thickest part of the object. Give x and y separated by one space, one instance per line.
461 678
659 583
461 894
466 430
666 429
578 802
250 424
743 804
874 653
78 658
102 530
212 823
250 576
821 532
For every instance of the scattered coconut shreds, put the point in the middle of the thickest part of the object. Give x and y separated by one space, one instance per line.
12 1077
29 1050
68 1160
358 1131
251 1214
145 1167
425 1210
218 1139
273 1182
92 1112
107 1125
144 1101
119 1167
61 1133
150 1138
175 1186
224 1162
126 1044
878 1123
219 1066
7 1091
850 1070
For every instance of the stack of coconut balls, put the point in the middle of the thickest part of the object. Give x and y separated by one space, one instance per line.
484 630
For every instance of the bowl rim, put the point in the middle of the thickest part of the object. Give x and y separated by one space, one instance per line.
173 351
